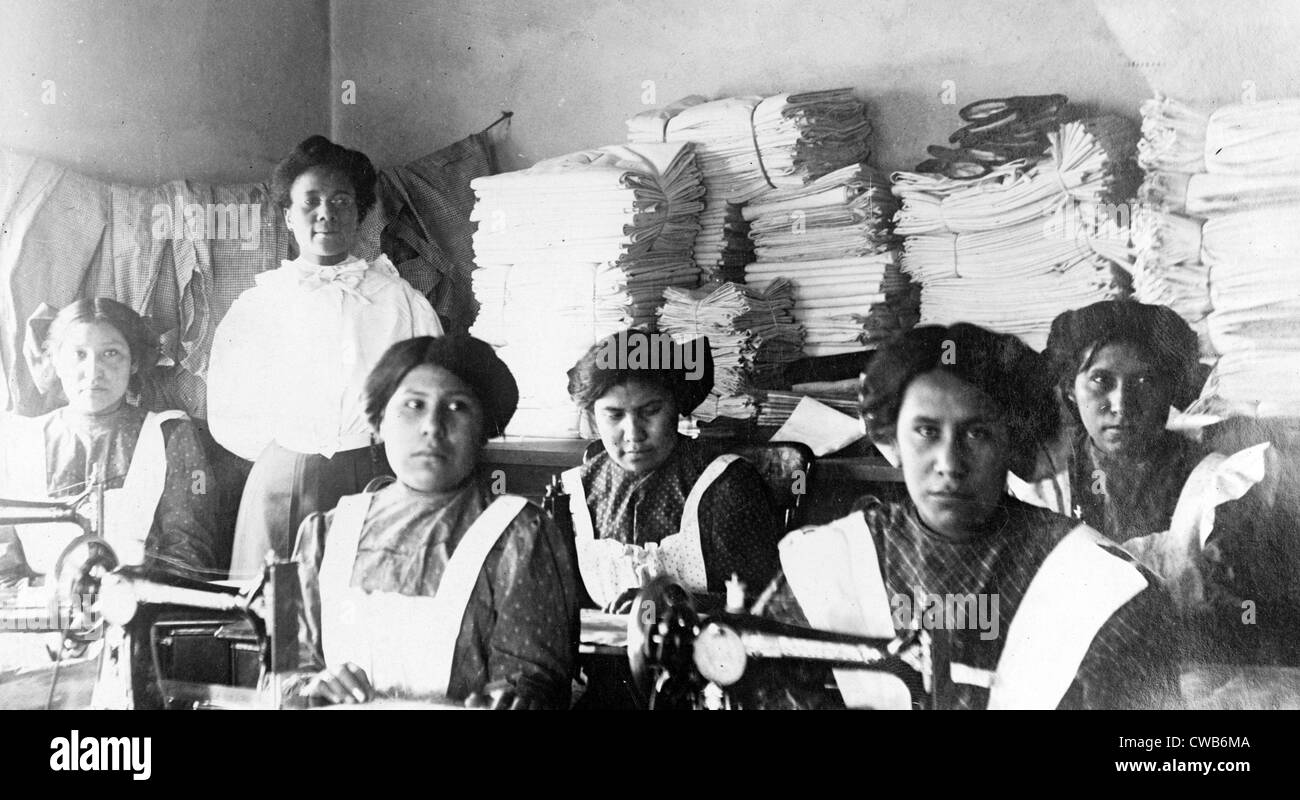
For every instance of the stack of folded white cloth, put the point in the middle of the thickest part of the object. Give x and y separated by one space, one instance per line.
751 335
832 238
778 406
749 145
579 247
1218 240
1014 248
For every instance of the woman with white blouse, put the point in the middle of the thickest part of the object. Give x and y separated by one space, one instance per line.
291 356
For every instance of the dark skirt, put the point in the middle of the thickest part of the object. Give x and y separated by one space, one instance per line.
284 487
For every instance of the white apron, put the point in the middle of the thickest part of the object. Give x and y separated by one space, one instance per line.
834 573
405 644
610 567
128 511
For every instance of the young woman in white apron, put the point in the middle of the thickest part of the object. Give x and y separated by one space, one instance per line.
159 492
431 588
654 501
1038 610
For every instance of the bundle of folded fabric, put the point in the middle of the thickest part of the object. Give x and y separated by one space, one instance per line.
751 335
579 246
1013 248
1217 237
749 145
1259 138
778 406
833 240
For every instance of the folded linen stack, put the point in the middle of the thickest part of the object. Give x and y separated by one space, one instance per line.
751 335
832 238
748 145
1012 249
1220 219
579 246
778 406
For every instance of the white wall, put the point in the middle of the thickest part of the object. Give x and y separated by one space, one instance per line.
147 91
573 70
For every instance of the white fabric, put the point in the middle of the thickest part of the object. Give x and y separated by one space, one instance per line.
1258 138
1174 554
610 567
290 358
128 511
578 246
748 330
1053 629
834 572
405 644
1015 248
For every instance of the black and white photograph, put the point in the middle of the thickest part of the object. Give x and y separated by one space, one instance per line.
687 355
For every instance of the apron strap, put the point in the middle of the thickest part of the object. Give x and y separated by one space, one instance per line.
22 465
341 544
691 510
459 578
682 553
834 572
129 511
583 527
1076 590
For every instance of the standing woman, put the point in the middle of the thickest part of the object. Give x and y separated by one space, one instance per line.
159 494
651 483
1119 366
432 587
290 358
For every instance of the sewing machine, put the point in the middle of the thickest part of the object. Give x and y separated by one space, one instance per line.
167 641
681 658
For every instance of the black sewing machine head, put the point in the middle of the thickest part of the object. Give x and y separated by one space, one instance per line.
682 659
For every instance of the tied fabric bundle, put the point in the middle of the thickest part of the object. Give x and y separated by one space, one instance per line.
778 406
1260 138
1014 248
1217 238
832 239
578 246
751 336
749 145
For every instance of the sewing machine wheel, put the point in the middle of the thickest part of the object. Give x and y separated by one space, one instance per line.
77 575
661 628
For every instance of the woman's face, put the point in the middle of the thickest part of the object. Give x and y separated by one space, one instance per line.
1122 400
93 362
432 429
637 422
955 450
323 216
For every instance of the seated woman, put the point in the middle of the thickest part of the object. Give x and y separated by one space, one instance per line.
651 483
159 498
289 358
1059 616
1119 366
431 587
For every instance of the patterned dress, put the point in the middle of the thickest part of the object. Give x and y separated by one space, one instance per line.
184 528
521 626
738 529
1131 662
1130 498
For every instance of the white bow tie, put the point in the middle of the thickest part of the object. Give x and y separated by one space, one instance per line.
347 277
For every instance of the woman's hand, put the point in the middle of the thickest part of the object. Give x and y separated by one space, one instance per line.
346 683
504 699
